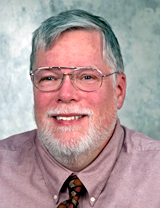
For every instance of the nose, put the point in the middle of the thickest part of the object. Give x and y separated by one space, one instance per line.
68 93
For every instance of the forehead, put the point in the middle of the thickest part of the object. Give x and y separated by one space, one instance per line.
73 48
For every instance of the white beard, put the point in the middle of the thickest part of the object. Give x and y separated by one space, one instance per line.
74 151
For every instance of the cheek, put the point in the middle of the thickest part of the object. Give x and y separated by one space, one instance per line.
103 95
103 101
97 101
41 101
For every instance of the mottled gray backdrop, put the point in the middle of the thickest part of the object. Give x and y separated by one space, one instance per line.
137 26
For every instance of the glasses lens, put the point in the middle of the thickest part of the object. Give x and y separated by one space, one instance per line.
47 79
87 79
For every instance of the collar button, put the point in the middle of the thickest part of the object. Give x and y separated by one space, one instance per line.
55 197
92 199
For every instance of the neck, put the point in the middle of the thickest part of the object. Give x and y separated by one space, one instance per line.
78 162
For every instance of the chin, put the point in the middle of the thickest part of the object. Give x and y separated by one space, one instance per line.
68 147
69 144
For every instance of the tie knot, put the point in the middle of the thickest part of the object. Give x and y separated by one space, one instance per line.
75 186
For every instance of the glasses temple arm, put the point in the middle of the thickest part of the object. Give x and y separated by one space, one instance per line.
107 75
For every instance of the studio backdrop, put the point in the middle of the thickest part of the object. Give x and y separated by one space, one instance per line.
136 24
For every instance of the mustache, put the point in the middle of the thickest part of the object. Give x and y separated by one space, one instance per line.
69 109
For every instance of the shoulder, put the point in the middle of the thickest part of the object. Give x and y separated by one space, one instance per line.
139 142
17 150
18 141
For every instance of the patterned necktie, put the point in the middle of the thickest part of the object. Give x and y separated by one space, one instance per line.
76 188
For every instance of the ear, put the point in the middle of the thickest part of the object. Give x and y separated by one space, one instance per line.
120 89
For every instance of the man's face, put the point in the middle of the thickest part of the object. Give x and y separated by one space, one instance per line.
68 113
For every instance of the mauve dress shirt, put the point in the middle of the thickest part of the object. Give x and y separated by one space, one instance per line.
126 174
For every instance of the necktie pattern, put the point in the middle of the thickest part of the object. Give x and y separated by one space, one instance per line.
76 188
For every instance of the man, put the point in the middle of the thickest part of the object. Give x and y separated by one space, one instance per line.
78 84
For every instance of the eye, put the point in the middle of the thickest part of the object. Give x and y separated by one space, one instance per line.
87 77
51 78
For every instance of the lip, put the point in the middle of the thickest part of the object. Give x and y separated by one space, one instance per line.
66 119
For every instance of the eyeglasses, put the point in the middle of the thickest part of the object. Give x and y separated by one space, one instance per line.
84 78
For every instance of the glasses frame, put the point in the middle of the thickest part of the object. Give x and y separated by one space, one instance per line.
71 78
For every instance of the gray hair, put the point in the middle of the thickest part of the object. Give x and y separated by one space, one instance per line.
51 28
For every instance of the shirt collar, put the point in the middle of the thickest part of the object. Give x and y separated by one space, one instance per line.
94 177
54 173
